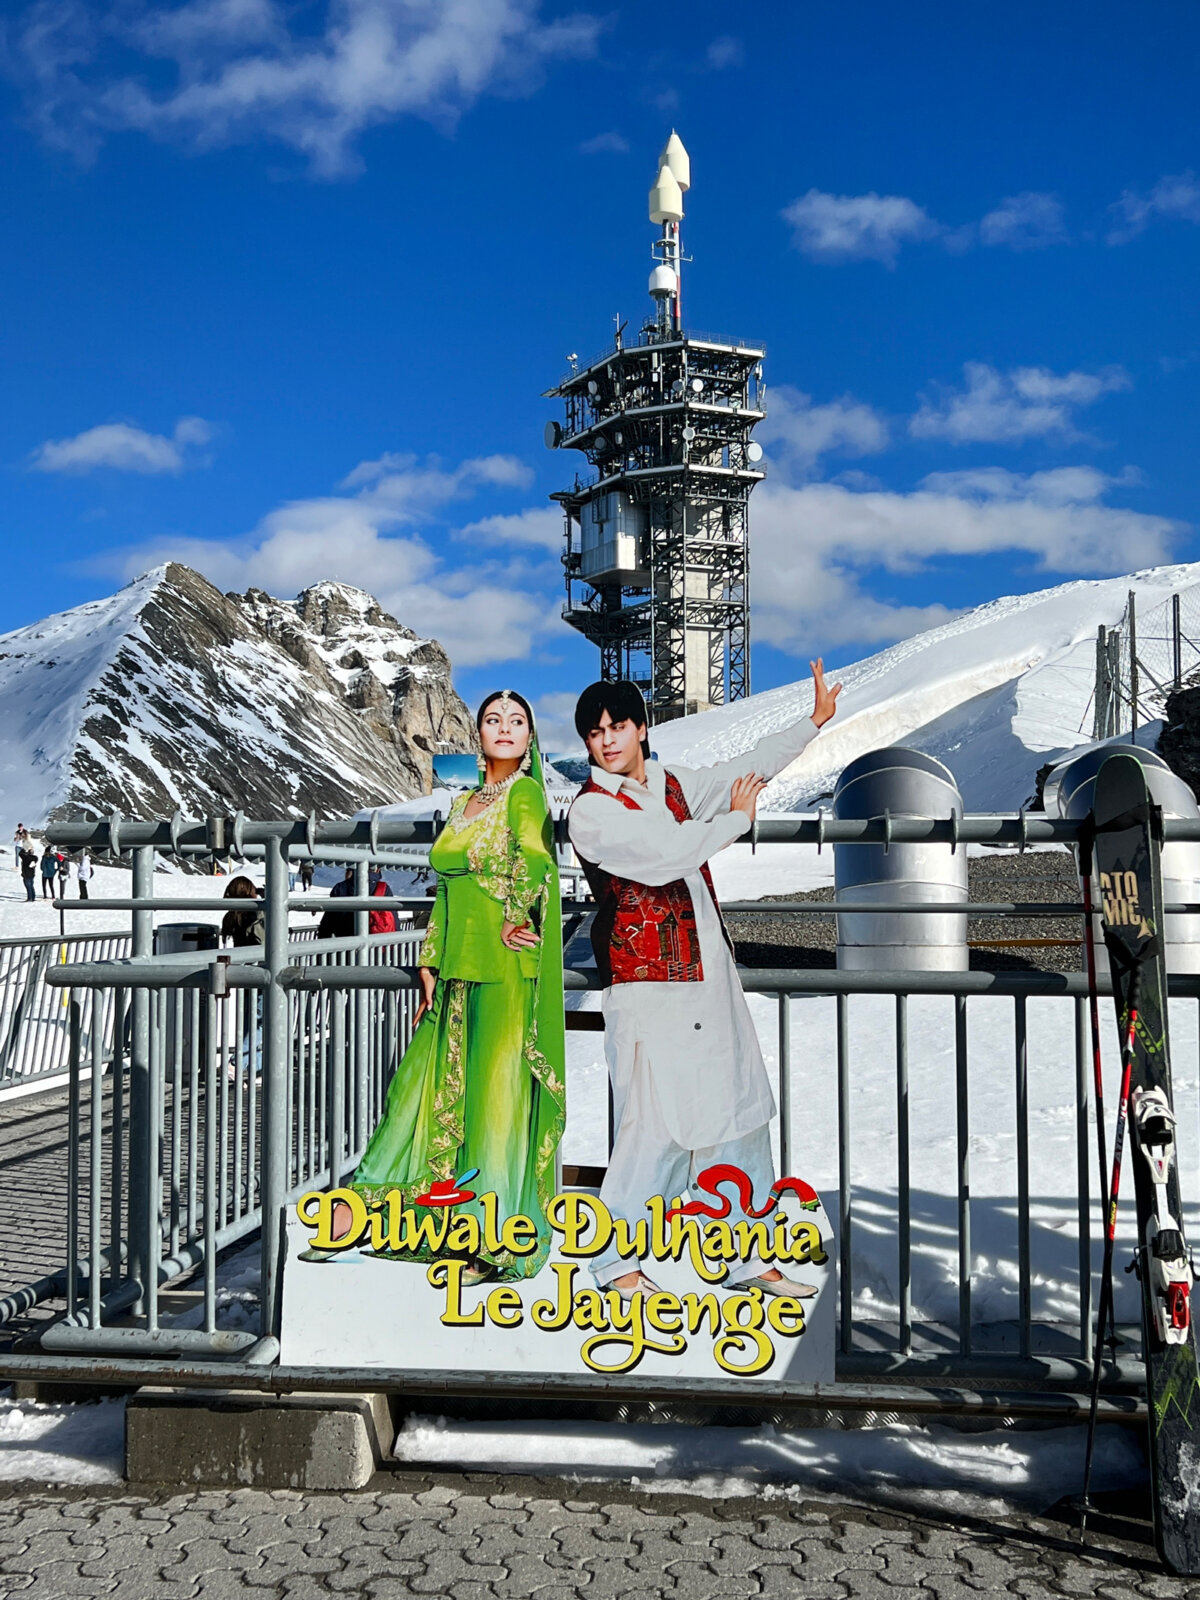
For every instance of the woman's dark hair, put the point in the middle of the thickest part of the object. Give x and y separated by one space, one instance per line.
502 694
621 699
240 888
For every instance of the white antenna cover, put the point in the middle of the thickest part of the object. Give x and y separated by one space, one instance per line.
676 157
663 282
666 198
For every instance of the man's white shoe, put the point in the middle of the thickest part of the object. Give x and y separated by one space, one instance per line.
641 1285
779 1286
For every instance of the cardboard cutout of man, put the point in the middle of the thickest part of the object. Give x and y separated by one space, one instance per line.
689 1085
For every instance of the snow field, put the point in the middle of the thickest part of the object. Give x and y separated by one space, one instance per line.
902 1463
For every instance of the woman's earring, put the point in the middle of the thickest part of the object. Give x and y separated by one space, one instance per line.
527 761
481 766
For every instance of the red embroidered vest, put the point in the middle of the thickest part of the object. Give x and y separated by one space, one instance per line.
646 933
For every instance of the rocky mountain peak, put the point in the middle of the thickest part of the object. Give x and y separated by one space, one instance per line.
172 695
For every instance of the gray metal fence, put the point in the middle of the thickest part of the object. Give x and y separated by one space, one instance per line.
238 1080
35 1021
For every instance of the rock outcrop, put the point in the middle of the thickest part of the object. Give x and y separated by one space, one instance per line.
173 695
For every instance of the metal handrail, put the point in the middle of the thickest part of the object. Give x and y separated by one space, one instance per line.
1013 828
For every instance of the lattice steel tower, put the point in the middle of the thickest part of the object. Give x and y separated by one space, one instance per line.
657 558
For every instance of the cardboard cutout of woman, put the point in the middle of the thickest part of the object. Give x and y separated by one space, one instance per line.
482 1085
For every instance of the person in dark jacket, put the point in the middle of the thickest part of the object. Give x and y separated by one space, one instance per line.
245 925
29 863
338 924
49 871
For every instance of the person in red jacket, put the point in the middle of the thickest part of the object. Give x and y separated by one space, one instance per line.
381 921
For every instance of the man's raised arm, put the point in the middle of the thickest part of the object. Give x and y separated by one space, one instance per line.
707 788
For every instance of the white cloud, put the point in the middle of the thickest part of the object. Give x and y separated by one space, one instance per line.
1011 407
385 535
725 51
239 71
805 431
611 143
541 526
124 448
1177 196
816 547
862 227
555 715
1027 221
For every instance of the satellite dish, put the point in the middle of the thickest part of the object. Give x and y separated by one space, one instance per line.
552 434
618 438
754 451
593 386
697 386
689 433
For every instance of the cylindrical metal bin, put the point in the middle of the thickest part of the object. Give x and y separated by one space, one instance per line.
170 939
903 783
1069 789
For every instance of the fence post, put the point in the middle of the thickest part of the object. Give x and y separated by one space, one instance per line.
1177 641
143 1136
273 1163
361 1003
1133 668
1101 691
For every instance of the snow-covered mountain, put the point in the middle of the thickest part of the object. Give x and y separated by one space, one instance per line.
170 694
994 694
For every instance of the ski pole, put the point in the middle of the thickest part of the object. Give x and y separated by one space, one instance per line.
1089 945
1110 1234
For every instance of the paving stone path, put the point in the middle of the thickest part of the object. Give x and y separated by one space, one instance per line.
474 1538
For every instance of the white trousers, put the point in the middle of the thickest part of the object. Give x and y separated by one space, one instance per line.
645 1161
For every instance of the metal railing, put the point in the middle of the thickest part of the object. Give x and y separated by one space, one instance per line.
237 1080
35 1023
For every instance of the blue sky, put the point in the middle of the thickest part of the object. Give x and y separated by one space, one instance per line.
284 284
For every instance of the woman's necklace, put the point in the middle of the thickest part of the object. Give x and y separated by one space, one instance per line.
488 792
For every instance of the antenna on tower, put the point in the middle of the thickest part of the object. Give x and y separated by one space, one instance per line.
666 209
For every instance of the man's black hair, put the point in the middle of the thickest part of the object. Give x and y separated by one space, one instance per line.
621 699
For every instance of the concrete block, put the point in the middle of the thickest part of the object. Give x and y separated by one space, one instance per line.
263 1441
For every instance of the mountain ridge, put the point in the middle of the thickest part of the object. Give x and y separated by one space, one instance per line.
171 695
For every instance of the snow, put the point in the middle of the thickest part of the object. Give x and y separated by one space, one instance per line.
994 694
901 1463
47 673
62 1443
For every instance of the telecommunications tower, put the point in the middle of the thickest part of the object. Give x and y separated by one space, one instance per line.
657 560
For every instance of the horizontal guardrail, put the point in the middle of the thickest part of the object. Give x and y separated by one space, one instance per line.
1021 828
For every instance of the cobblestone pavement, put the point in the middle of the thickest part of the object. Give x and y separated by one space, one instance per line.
471 1538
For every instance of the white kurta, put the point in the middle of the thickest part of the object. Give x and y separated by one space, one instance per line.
696 1041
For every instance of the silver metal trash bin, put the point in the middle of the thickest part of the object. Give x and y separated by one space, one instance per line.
904 783
1069 789
177 938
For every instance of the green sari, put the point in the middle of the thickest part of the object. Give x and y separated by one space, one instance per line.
483 1082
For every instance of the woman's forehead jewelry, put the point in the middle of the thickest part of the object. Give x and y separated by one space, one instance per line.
506 702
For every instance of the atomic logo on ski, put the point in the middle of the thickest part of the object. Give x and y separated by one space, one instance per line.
1122 902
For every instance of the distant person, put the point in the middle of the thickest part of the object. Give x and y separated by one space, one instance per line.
306 877
83 874
64 874
246 925
338 924
20 840
381 921
29 862
49 871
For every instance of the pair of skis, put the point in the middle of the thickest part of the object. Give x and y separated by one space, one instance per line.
1126 840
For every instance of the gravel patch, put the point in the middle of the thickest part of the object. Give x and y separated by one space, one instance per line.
761 940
